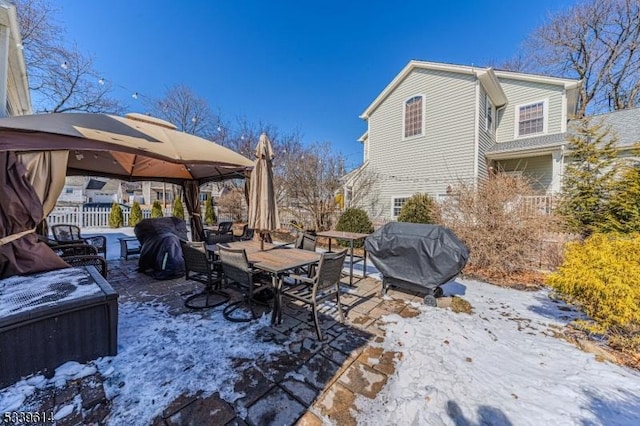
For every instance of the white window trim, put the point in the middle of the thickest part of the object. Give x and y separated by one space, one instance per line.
487 103
545 119
393 198
424 103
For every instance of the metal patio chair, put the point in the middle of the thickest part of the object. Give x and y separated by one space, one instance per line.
236 268
325 284
206 271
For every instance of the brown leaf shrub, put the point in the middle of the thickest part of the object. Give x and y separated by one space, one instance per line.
498 224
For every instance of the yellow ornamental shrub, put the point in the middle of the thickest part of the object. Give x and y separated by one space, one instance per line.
602 275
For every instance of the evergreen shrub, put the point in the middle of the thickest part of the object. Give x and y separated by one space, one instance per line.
156 209
209 213
602 276
116 217
417 209
354 220
135 216
178 208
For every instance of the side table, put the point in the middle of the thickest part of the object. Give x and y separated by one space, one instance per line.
129 246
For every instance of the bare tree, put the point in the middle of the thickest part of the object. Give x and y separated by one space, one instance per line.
360 184
60 77
313 182
597 41
186 110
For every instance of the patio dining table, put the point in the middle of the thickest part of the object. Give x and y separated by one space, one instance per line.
275 260
351 237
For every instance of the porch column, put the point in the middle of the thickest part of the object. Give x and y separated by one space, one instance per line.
557 170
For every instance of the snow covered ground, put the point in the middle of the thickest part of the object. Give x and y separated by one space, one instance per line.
499 366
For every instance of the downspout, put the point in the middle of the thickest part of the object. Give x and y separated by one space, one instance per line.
476 142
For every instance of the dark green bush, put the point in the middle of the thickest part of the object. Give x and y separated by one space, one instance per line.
178 208
417 209
209 212
135 215
156 209
116 217
354 220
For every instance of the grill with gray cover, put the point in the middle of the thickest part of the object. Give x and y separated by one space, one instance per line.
416 257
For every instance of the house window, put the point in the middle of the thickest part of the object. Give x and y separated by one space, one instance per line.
397 205
531 119
159 196
490 112
413 116
68 190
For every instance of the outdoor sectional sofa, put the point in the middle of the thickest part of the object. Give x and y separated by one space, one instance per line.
50 318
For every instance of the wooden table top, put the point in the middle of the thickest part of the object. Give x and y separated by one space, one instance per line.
250 246
342 235
282 259
275 259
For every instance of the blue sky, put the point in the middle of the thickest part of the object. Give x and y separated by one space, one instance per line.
307 66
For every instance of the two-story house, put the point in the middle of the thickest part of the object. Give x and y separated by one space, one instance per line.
437 124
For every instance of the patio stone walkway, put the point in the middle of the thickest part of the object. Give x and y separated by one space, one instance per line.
311 382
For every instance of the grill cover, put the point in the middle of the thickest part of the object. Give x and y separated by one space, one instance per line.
423 255
160 251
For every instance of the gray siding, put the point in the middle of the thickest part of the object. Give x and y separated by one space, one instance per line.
537 169
524 92
429 163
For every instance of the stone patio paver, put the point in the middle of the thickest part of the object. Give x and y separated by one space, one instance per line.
310 383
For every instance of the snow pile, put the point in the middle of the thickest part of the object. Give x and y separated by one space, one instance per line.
499 365
159 358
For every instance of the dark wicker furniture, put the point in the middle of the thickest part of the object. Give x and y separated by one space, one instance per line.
53 317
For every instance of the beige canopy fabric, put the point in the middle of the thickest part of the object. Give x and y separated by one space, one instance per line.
46 172
263 209
134 147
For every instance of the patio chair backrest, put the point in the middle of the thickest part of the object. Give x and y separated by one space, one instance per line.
329 270
235 265
89 260
64 250
224 227
306 242
63 232
195 256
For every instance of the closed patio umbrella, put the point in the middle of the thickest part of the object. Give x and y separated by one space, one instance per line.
263 210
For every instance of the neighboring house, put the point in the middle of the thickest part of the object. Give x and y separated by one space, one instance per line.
73 191
14 88
437 124
84 189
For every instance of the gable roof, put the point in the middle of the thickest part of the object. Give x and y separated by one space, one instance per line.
487 76
95 184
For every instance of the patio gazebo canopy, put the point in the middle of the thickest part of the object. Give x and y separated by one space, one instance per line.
134 147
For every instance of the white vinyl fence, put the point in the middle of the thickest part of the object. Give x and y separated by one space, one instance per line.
90 217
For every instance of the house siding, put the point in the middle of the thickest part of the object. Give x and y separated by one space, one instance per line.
442 156
537 169
524 92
